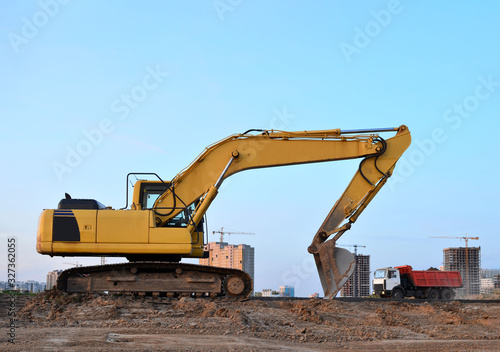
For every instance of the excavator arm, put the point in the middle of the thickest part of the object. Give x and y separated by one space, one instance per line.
335 265
201 180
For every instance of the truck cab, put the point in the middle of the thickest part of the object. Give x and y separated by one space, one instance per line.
384 280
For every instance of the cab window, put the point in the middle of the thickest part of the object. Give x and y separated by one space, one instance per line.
379 274
150 192
151 199
182 219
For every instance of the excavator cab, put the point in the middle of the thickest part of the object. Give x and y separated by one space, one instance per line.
147 192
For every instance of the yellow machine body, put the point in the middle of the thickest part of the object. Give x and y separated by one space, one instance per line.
109 232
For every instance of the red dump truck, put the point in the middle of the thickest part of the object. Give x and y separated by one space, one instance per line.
402 281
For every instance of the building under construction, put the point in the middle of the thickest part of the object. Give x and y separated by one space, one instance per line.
358 284
468 262
224 255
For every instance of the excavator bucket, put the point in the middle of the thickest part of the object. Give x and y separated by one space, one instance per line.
335 266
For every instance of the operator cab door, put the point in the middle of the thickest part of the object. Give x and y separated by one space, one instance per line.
392 279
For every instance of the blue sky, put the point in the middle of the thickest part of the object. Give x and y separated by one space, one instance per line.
144 87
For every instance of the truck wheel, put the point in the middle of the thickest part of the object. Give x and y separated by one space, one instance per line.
447 294
433 294
398 294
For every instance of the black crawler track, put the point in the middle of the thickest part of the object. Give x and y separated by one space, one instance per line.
157 277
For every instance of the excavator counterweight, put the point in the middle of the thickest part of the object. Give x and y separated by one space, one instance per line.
165 220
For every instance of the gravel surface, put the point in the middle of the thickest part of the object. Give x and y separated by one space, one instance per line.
92 322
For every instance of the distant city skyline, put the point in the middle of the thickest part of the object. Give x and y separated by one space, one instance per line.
31 286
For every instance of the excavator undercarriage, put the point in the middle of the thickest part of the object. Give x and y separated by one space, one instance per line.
161 278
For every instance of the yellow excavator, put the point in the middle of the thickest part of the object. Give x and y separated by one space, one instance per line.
165 221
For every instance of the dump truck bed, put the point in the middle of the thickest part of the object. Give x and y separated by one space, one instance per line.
432 278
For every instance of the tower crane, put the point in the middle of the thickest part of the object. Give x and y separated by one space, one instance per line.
355 246
222 233
466 238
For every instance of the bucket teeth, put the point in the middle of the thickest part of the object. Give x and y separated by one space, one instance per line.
335 266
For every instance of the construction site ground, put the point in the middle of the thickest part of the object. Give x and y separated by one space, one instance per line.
51 321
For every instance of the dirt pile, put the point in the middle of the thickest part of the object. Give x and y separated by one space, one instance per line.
205 324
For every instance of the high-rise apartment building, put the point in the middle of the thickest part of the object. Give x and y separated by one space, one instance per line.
358 285
490 273
468 262
224 255
287 291
487 285
489 281
52 279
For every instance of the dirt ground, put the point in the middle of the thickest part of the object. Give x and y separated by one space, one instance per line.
92 322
